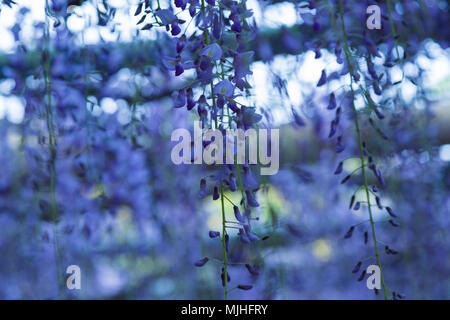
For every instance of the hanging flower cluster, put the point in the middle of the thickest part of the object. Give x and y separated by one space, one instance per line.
348 51
86 160
218 53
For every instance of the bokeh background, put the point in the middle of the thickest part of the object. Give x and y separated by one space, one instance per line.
132 220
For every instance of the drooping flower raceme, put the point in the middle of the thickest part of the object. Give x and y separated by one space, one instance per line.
221 59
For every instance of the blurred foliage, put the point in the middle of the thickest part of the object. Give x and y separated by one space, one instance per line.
133 221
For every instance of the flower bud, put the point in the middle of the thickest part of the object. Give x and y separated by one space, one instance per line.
349 232
201 262
357 267
214 234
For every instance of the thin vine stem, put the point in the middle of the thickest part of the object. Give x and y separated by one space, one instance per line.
52 148
224 245
394 31
361 153
224 230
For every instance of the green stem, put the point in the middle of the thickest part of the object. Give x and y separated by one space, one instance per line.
98 185
394 32
224 247
361 153
238 174
52 149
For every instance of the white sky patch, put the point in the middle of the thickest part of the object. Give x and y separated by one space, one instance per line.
6 86
93 106
254 6
118 3
108 105
260 77
301 74
299 83
311 68
411 69
7 43
444 152
408 91
360 103
124 114
77 21
294 90
439 70
109 279
396 73
13 108
400 50
91 35
281 14
8 17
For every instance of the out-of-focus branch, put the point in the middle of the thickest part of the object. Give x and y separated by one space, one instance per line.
268 42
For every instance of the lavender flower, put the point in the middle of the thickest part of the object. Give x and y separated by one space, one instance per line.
201 262
349 232
238 215
391 212
252 270
214 234
323 79
244 287
213 51
357 267
224 88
